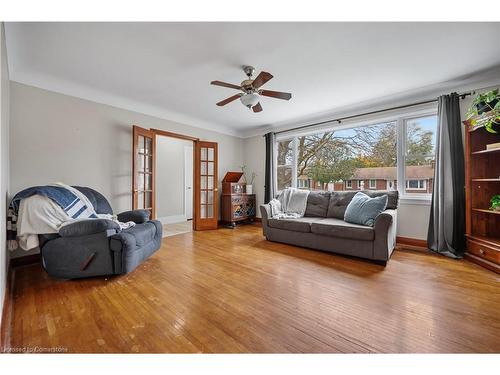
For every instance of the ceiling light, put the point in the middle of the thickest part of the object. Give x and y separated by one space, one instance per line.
249 100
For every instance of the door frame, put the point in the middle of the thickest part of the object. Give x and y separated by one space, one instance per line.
186 165
199 221
164 133
146 133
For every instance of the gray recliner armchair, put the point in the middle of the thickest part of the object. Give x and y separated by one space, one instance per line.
98 247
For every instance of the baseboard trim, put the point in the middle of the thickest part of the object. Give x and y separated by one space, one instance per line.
482 262
172 219
26 260
411 243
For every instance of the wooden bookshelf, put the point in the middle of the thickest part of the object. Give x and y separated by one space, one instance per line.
486 151
486 211
482 172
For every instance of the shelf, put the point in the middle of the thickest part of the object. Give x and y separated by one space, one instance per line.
492 241
486 211
486 179
485 151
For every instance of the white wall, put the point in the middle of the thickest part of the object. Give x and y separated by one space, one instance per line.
4 164
55 137
255 160
170 187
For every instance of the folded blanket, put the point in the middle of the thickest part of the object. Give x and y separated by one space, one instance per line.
44 210
291 204
62 195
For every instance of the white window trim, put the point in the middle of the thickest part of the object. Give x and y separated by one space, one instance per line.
348 184
370 186
417 188
400 118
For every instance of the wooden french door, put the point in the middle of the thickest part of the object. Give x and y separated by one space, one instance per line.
206 186
143 169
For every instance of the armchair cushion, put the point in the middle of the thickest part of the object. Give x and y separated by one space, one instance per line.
137 216
90 226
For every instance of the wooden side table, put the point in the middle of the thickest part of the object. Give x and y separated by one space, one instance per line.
237 208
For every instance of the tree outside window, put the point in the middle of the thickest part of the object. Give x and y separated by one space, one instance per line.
332 159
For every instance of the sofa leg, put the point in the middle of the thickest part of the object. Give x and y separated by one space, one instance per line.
382 263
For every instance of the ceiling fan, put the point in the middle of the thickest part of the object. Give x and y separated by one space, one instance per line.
250 97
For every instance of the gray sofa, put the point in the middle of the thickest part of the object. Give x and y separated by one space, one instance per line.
98 247
323 227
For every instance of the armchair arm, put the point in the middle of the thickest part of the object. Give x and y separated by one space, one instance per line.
137 216
265 212
385 227
89 226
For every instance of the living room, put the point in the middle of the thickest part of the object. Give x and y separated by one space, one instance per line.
250 187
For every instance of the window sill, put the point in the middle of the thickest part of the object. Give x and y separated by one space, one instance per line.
415 200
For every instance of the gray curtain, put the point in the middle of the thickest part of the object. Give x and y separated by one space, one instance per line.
447 221
269 178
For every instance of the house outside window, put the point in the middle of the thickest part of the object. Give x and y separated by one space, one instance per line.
416 184
303 183
378 153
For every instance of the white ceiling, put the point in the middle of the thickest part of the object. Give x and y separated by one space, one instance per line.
165 69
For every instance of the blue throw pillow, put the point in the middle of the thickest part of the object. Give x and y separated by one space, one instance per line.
363 210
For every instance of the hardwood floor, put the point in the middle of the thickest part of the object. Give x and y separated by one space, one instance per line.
233 291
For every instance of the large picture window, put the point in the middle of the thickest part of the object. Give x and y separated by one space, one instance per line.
285 163
362 157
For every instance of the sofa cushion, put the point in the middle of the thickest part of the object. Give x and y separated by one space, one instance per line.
143 233
317 204
89 226
339 228
338 203
302 224
340 199
363 210
392 197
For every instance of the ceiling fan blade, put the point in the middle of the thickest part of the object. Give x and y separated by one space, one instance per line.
257 108
276 94
262 78
228 100
225 84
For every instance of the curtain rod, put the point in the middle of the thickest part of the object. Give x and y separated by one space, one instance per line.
340 119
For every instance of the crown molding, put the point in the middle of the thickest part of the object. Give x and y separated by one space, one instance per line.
486 78
479 80
98 96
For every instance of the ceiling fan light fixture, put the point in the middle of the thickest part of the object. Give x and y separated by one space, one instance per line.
249 100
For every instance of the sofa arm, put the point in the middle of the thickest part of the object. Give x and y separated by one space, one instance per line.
265 212
137 216
385 227
89 226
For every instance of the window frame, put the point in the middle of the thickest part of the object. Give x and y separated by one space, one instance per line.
399 118
348 184
293 164
423 180
370 183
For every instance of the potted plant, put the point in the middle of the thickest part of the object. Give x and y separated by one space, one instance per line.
495 203
249 186
485 110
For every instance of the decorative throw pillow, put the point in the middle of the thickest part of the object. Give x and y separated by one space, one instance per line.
363 210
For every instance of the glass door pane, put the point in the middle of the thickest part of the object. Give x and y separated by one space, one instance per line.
143 170
207 185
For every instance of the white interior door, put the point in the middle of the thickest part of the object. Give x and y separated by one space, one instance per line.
188 182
